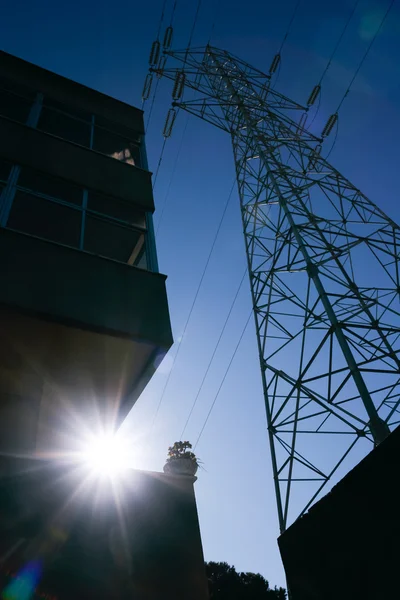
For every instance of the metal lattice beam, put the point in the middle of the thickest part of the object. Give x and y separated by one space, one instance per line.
324 272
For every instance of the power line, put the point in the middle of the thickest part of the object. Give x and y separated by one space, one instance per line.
161 19
333 119
365 54
339 40
223 380
152 105
159 162
214 353
172 175
187 50
334 141
194 300
196 16
276 61
289 26
173 13
157 41
216 13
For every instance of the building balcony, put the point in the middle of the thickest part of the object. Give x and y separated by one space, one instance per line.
81 336
83 310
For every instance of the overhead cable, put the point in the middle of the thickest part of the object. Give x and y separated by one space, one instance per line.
159 163
316 91
172 175
223 380
339 40
195 299
213 354
216 14
333 119
289 26
366 53
276 61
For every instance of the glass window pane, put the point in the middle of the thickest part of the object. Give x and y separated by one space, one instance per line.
45 219
14 107
5 168
17 88
125 132
116 208
116 146
108 239
72 112
50 186
64 127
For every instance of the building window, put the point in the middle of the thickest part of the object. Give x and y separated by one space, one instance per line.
45 218
112 240
116 146
115 229
59 211
5 169
116 209
15 101
104 136
70 125
49 186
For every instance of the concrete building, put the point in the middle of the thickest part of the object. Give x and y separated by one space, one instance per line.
84 323
84 318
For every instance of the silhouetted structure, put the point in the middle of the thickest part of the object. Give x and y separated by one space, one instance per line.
84 323
83 310
347 546
146 545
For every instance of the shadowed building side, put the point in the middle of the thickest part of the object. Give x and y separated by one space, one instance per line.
83 309
146 546
347 545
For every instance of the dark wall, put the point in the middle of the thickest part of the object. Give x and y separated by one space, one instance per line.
348 545
149 548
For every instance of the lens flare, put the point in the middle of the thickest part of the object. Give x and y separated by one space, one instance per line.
24 584
106 455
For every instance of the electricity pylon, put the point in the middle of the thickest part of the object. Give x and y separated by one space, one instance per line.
323 262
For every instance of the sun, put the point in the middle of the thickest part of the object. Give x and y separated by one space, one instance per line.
106 455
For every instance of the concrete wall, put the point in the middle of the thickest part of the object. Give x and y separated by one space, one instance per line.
347 546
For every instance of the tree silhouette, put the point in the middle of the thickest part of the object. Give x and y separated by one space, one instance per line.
227 584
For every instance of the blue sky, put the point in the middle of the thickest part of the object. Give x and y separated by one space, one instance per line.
106 46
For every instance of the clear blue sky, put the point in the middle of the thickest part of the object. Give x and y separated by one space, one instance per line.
105 46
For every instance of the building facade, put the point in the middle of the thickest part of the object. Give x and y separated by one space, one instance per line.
84 317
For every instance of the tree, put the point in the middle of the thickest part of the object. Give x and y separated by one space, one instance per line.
227 584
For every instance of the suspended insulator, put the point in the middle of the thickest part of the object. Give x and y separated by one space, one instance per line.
147 86
154 53
313 157
161 66
275 64
302 121
330 124
178 85
168 38
314 95
169 122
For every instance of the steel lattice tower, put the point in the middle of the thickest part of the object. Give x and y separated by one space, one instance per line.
323 262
